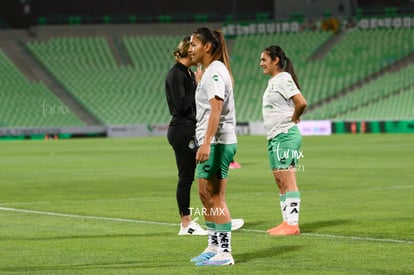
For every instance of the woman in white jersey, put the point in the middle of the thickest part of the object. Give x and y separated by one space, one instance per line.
216 136
283 104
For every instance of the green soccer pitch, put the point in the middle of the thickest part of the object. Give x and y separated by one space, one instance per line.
107 206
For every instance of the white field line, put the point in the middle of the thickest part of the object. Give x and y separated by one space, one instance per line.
47 213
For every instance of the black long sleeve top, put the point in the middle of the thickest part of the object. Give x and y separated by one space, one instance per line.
180 86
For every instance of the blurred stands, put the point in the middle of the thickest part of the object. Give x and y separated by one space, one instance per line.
29 104
249 79
353 59
392 89
115 94
354 79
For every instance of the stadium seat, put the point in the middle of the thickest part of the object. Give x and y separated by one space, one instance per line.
29 104
385 96
132 94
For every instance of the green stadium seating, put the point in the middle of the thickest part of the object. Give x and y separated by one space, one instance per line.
29 104
396 107
249 80
358 55
383 89
134 94
114 94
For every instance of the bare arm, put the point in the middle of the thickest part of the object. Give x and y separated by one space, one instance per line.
203 152
300 105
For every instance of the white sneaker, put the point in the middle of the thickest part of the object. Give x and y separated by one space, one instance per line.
236 224
221 258
192 229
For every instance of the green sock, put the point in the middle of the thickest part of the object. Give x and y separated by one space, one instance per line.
210 225
223 227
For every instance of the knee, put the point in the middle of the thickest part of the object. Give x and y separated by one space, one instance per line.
185 181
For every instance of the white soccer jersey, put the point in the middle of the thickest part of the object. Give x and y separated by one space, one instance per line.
278 106
216 81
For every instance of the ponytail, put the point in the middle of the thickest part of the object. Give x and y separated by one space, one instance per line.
182 48
285 64
290 69
223 54
218 44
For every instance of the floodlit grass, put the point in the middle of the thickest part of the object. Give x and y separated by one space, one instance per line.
107 206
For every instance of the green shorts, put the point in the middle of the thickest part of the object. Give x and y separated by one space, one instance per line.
284 149
218 163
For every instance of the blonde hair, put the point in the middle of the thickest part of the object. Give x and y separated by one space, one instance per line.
182 48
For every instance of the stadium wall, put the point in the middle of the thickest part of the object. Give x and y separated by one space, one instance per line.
389 127
320 127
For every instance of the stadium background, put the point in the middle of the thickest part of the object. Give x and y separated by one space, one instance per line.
107 205
98 69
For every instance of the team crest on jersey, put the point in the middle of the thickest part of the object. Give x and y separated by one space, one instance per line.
215 77
291 85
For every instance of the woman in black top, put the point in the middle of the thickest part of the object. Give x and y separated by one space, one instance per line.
180 86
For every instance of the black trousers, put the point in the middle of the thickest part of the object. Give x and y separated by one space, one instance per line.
181 139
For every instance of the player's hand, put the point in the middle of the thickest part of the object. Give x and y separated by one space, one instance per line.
203 153
296 120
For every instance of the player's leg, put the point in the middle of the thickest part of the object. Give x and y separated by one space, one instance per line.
282 201
275 162
216 187
180 138
212 243
285 155
203 172
292 204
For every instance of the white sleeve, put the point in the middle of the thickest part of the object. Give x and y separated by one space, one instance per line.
288 87
214 84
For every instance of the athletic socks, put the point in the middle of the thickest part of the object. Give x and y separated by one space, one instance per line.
223 232
219 237
292 203
212 236
282 198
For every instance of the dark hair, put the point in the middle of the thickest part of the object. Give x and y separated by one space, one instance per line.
218 45
182 48
285 64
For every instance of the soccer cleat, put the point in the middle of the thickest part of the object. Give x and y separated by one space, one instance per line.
221 258
209 252
204 256
236 224
276 227
192 229
285 230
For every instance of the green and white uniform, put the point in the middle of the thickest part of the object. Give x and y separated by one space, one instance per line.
278 105
216 82
284 138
